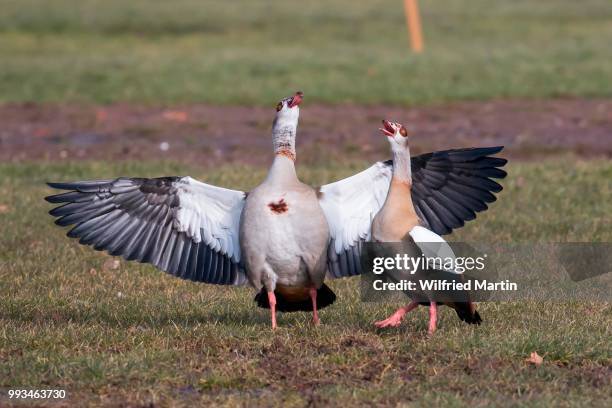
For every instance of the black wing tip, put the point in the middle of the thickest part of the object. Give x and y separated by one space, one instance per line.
481 151
75 185
499 162
66 185
495 149
58 185
54 211
58 198
468 154
488 150
497 187
72 186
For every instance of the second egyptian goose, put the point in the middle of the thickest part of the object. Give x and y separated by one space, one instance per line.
448 188
398 221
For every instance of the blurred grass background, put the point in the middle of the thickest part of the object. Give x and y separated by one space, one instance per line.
250 52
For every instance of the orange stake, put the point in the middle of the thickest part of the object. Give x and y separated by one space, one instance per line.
413 21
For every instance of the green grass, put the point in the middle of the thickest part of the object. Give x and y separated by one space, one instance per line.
135 335
253 52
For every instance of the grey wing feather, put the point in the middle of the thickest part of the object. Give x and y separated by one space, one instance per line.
136 218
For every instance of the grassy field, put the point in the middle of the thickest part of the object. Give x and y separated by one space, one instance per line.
251 52
134 335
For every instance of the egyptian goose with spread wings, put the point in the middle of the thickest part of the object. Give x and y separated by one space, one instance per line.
274 237
448 188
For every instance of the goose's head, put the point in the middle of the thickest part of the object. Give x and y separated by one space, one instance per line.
288 112
396 133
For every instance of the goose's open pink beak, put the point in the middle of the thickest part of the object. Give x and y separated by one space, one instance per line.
297 99
388 129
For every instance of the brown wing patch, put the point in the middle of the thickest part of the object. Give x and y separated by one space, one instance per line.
279 207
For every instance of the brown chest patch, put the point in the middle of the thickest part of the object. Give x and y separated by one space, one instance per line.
279 207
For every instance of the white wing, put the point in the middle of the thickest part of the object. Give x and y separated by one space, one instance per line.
350 206
180 225
210 214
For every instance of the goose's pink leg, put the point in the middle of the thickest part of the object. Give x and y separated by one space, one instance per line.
272 302
396 318
313 298
433 317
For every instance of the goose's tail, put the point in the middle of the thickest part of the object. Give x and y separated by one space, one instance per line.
325 297
467 312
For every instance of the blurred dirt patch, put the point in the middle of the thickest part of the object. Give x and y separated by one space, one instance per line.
204 134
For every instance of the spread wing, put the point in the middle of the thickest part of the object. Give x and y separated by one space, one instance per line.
448 188
350 206
182 226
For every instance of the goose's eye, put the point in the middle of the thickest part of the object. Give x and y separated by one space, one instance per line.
403 131
279 106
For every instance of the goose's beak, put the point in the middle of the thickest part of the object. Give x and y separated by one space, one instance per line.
297 99
388 129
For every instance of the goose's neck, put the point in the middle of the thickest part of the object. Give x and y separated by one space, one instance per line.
283 166
282 170
283 139
402 172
